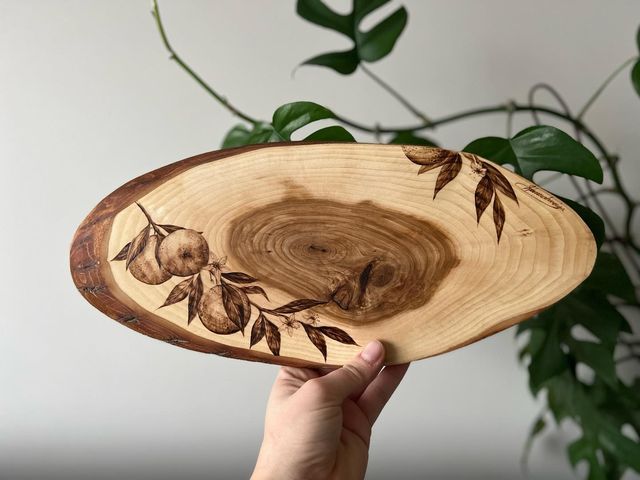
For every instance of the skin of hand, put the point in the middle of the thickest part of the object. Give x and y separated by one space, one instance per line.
319 426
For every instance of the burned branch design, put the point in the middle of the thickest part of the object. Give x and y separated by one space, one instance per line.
492 181
161 251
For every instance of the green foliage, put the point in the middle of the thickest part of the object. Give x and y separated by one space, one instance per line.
292 116
286 120
335 133
410 138
242 135
536 429
609 276
594 408
635 71
592 310
540 148
635 76
369 46
572 347
548 360
591 218
601 406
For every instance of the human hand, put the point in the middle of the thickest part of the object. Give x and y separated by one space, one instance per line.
318 426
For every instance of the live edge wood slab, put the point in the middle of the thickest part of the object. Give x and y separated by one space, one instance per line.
299 254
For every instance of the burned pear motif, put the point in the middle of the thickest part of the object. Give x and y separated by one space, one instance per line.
223 308
145 267
213 315
183 253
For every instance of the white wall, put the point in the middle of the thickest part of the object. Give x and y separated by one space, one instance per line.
89 100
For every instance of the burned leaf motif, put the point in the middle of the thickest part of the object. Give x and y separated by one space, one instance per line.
500 182
234 305
498 215
239 277
122 254
427 157
170 228
338 335
317 339
255 289
436 159
343 295
484 192
448 172
426 168
492 182
137 245
179 292
258 330
195 294
273 337
299 305
246 304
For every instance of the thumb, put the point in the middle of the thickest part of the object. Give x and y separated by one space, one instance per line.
354 376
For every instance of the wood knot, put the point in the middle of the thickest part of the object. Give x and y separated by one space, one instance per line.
372 262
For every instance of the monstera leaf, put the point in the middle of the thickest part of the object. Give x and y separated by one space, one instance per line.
539 148
369 46
286 120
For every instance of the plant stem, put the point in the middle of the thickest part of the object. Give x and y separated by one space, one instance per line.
395 94
151 222
598 191
174 56
260 309
590 196
264 310
524 459
475 112
510 118
557 97
604 85
270 312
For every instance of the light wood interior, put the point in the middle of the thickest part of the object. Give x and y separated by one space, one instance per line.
369 195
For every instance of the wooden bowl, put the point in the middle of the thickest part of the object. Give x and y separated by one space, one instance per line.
299 254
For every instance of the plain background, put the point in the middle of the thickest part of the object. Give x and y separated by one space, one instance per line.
89 100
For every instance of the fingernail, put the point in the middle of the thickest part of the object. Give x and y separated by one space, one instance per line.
373 352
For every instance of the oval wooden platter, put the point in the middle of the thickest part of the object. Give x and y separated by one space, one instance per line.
299 254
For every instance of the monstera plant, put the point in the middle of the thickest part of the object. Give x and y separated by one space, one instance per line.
573 350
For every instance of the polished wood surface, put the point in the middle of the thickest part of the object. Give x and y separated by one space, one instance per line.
300 253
